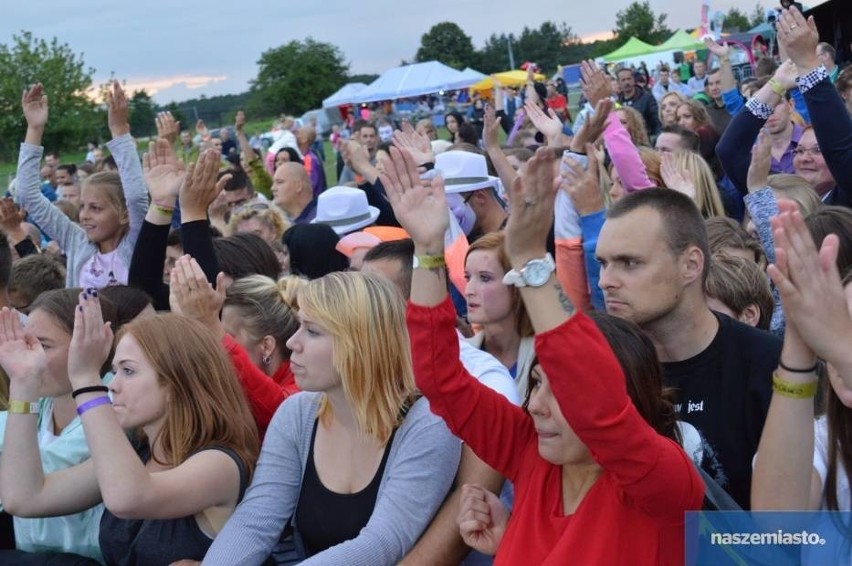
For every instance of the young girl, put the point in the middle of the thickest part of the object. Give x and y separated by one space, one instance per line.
168 491
112 207
357 465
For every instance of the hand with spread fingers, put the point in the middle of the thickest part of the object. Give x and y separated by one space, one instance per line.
675 177
809 283
167 127
583 185
491 129
532 200
419 207
21 356
118 110
200 187
482 519
596 85
11 220
192 295
799 38
91 341
761 162
418 145
164 174
34 103
594 126
548 124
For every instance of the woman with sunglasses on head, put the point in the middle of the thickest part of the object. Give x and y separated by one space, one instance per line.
596 452
170 487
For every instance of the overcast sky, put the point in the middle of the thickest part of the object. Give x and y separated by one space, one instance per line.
180 50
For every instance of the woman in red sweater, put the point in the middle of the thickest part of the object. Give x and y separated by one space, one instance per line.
599 477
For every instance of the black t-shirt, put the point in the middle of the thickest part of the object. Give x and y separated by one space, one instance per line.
724 393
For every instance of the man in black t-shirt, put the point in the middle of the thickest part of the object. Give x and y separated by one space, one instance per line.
654 256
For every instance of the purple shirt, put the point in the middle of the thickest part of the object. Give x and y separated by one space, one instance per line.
785 164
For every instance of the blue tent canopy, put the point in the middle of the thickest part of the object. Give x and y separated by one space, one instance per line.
410 80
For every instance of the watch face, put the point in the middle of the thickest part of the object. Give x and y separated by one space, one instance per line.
536 273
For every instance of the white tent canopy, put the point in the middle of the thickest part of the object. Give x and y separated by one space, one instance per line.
408 81
344 95
467 79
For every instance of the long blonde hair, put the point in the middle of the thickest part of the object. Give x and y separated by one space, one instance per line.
365 316
707 197
265 310
207 406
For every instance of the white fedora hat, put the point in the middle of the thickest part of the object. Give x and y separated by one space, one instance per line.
463 171
345 209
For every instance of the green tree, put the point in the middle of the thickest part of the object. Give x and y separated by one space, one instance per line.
735 21
295 77
638 20
74 117
758 16
142 114
447 43
363 78
545 46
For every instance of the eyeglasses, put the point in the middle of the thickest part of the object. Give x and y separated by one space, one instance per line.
812 151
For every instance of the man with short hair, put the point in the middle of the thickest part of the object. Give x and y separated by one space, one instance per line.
238 190
640 100
367 135
66 175
663 84
228 145
716 109
654 257
292 193
696 82
675 139
48 182
827 55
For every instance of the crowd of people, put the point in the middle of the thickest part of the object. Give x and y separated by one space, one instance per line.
535 342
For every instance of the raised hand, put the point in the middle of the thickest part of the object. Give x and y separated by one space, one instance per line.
809 283
34 103
761 162
167 127
200 187
491 128
420 208
192 295
21 356
799 37
594 126
164 173
676 178
482 519
531 202
595 82
118 112
240 121
548 124
201 129
582 185
11 219
720 50
418 145
91 341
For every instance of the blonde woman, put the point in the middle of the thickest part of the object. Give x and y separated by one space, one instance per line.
170 489
357 465
635 124
688 173
259 218
668 108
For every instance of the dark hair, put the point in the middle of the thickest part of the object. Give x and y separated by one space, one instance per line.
5 261
839 435
682 223
61 305
33 275
402 250
294 155
69 168
844 80
467 134
312 250
828 48
246 254
724 232
129 301
174 238
689 139
834 220
765 68
643 373
239 180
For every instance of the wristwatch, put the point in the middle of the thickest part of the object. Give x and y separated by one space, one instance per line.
534 273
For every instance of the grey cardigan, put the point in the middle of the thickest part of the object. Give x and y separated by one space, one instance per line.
420 469
71 237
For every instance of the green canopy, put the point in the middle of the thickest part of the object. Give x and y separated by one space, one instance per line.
680 41
633 48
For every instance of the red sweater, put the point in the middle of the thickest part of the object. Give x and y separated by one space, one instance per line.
633 514
263 393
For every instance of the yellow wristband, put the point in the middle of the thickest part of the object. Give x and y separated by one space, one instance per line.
777 87
793 390
429 262
23 408
164 210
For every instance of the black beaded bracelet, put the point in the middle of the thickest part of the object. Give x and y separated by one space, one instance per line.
796 370
90 389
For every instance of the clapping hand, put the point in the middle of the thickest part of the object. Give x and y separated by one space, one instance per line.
91 341
167 127
34 103
761 162
482 519
192 295
200 187
164 174
594 126
491 129
799 37
548 124
420 208
21 357
118 112
418 145
531 202
595 83
676 178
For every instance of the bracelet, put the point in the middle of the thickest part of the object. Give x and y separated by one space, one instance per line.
92 404
796 370
164 210
90 389
429 262
793 390
23 408
776 87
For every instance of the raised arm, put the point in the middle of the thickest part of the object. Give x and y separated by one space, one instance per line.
261 180
492 146
726 73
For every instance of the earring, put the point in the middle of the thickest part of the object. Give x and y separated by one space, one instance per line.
266 359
